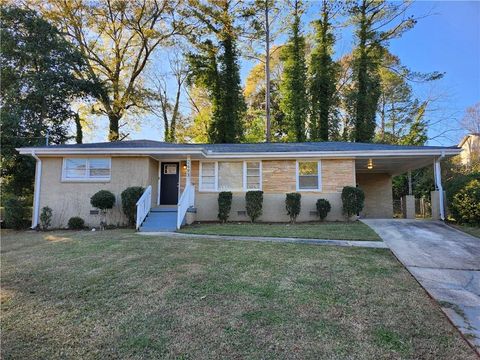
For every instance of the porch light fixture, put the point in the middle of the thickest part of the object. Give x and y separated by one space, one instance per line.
370 164
185 167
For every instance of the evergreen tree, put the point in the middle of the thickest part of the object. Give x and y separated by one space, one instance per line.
294 102
370 19
215 67
38 84
323 78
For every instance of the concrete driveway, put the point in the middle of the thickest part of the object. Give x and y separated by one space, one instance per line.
445 261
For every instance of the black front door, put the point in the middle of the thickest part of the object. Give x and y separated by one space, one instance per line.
169 184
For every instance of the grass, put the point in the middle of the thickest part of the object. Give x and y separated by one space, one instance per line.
117 294
328 230
469 229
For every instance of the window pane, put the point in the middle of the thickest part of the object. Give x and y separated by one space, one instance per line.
308 168
99 168
230 176
208 169
308 182
253 182
76 168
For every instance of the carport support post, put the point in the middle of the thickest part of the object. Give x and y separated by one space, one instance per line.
438 201
189 170
408 201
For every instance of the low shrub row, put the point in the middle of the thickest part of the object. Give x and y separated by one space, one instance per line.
17 211
353 199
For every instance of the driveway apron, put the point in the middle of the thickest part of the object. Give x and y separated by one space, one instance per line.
445 261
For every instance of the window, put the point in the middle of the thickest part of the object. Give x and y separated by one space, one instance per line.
230 175
208 176
253 175
309 175
86 169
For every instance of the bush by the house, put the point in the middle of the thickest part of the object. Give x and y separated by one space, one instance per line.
453 186
224 205
353 199
323 208
103 200
130 197
254 204
15 213
466 203
293 205
46 217
76 223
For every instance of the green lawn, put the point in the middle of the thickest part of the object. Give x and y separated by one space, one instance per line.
472 230
117 294
328 230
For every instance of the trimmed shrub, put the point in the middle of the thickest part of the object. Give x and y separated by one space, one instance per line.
103 200
323 208
46 217
15 214
130 197
293 205
467 203
224 205
76 223
353 199
254 204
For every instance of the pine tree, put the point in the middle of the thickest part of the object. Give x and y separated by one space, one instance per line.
294 103
323 78
370 19
215 67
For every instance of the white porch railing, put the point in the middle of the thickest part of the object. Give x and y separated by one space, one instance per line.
144 205
186 200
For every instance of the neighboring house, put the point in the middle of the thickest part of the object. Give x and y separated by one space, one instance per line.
191 175
470 146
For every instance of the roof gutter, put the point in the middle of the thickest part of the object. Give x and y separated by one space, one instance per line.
36 195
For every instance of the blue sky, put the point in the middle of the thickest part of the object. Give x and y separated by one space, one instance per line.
447 40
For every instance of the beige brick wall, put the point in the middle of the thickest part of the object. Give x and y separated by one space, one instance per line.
68 199
378 195
279 178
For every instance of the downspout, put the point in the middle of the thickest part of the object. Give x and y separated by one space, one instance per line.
36 191
438 180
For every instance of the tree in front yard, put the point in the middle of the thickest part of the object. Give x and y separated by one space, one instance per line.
467 203
103 200
38 84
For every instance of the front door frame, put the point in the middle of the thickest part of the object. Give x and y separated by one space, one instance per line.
159 186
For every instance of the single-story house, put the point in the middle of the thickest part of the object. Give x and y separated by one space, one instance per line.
186 178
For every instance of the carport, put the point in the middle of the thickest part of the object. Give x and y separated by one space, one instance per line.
374 175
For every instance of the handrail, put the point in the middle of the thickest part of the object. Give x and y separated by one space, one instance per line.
187 199
144 204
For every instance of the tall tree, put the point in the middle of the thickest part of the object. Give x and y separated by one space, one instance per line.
471 120
165 106
293 89
38 84
376 22
215 67
117 38
324 74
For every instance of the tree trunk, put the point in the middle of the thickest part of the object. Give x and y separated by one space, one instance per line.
113 131
267 72
79 131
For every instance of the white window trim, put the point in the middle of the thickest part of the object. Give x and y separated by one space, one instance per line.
245 182
85 179
244 175
319 172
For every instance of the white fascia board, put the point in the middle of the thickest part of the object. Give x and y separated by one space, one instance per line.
240 155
